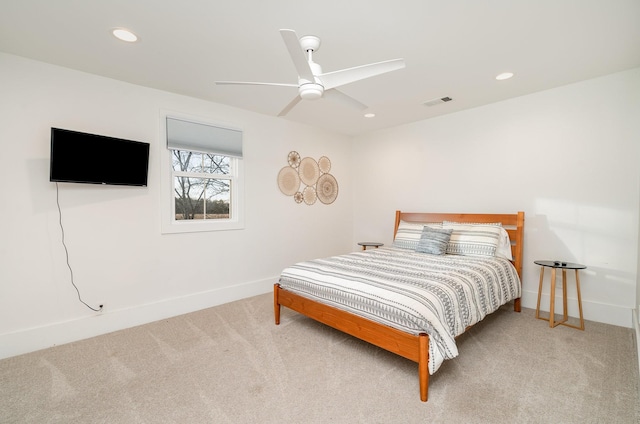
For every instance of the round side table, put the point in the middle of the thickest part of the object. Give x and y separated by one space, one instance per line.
564 266
366 244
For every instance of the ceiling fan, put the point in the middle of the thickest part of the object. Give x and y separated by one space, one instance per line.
312 83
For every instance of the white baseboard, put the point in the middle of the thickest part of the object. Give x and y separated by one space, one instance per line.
636 326
592 311
32 339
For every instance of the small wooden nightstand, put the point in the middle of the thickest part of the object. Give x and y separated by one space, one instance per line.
366 244
564 266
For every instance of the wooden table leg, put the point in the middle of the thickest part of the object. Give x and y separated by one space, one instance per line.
579 300
581 326
552 301
539 292
565 316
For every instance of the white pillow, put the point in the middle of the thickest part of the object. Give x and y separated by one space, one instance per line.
473 239
504 246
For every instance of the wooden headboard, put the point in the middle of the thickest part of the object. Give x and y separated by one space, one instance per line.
513 223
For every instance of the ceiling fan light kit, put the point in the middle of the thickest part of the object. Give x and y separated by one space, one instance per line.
310 91
312 82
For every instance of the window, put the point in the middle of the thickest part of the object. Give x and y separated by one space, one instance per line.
202 185
202 176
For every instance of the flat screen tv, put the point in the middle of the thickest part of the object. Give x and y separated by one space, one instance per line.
78 157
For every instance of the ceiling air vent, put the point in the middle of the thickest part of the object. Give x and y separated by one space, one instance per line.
435 102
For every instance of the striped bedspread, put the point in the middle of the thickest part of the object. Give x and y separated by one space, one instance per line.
440 295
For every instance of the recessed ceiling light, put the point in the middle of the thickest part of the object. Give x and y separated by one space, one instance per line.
124 35
504 76
369 115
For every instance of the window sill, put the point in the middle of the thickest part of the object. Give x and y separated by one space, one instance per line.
198 226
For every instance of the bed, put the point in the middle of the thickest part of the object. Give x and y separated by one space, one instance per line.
443 273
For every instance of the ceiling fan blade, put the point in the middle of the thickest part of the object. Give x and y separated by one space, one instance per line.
290 106
341 97
254 83
346 76
297 54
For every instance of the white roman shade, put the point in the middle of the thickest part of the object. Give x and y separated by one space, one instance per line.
197 137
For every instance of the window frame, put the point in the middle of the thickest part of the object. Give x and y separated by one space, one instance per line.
169 224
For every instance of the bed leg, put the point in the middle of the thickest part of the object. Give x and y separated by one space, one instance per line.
517 306
276 304
423 366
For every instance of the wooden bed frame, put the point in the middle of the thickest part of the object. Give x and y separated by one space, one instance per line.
410 346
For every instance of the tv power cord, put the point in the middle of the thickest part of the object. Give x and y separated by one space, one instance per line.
99 309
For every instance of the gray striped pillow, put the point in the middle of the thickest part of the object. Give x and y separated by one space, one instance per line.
434 241
473 240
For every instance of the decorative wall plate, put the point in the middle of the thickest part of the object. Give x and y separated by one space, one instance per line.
324 164
309 171
288 180
309 195
294 159
327 189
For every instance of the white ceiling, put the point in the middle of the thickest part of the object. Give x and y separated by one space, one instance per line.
452 48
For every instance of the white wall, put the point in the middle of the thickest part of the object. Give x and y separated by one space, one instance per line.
568 157
118 254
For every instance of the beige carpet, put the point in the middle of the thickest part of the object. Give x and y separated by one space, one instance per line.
231 364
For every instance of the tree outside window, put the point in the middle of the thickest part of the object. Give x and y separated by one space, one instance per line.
202 185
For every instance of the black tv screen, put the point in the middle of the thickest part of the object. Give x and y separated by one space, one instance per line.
78 157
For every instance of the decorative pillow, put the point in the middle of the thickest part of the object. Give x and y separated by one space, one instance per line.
434 241
503 250
408 234
473 240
